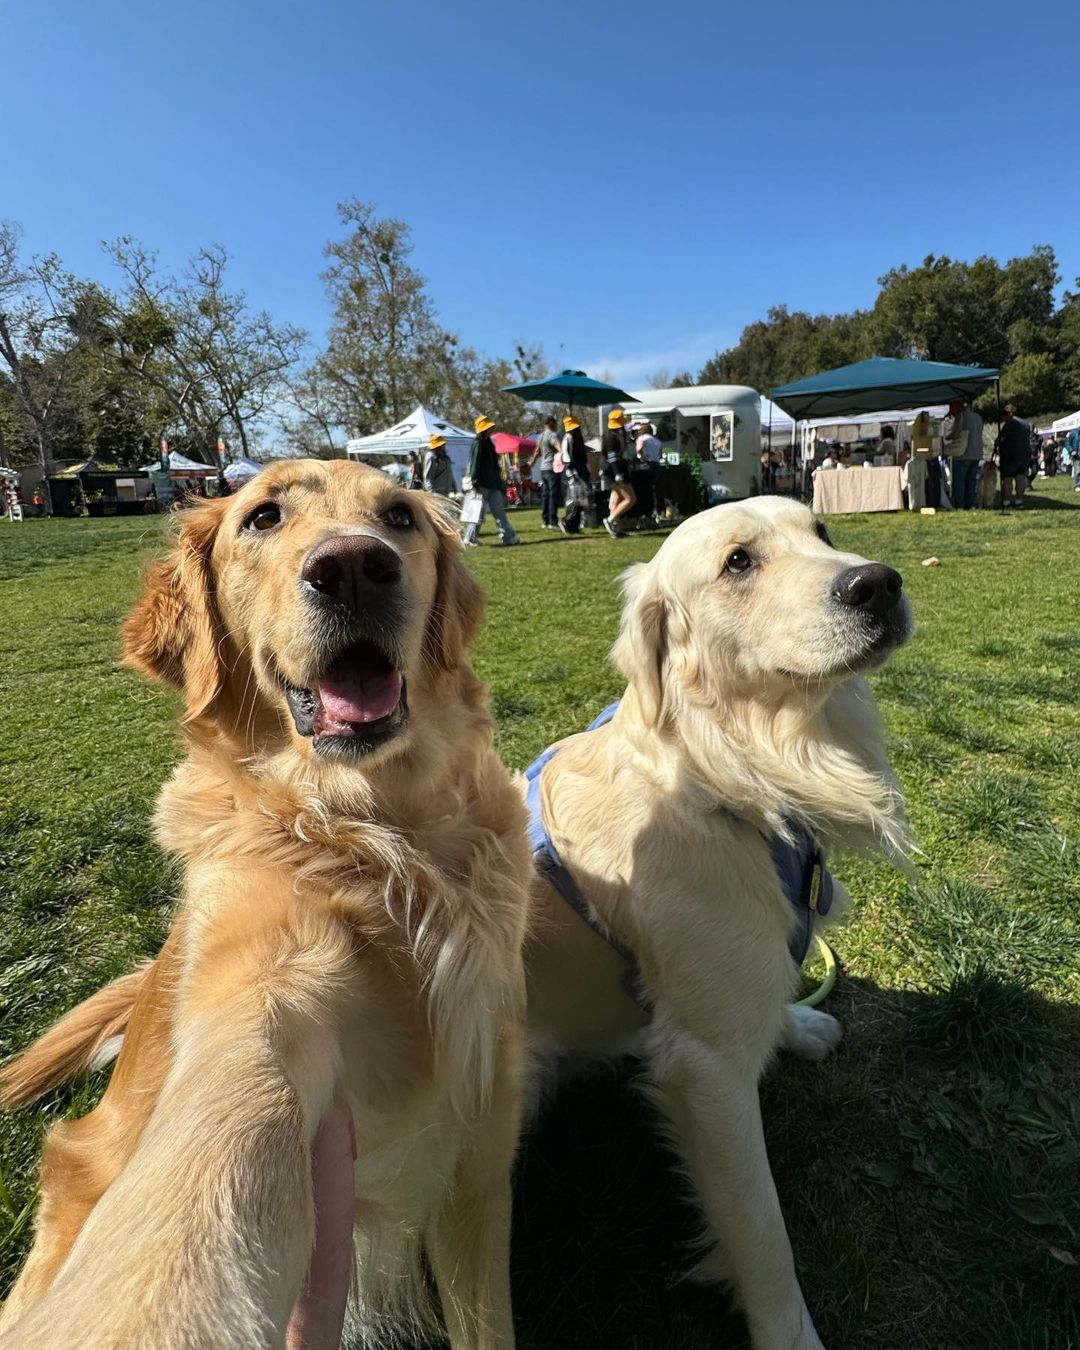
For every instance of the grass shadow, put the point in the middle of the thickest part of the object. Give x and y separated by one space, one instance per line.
937 1152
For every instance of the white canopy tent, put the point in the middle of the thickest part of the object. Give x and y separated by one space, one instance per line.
1070 423
179 463
776 425
899 419
241 469
414 434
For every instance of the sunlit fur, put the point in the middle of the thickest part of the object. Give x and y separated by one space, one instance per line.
349 926
741 712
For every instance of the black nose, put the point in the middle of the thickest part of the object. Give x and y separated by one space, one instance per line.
872 587
350 567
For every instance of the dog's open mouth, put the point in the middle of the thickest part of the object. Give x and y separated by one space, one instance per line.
358 703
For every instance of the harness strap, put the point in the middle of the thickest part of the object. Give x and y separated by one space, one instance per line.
800 868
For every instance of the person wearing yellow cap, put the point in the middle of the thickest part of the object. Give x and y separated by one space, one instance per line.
487 483
615 472
438 471
575 456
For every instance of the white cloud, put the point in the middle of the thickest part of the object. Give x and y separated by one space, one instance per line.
633 369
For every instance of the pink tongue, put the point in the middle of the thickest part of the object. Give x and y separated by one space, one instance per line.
356 700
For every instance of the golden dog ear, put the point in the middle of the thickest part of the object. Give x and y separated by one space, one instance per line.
173 632
641 647
458 610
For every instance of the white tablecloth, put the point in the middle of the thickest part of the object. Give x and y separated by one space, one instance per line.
842 490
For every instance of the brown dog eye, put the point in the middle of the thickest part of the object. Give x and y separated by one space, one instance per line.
399 517
739 561
263 518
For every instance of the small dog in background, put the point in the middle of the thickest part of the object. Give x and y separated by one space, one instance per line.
989 486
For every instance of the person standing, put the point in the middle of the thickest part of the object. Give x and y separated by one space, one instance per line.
438 471
649 451
575 456
1070 454
886 448
963 444
923 473
615 473
547 447
1014 452
487 483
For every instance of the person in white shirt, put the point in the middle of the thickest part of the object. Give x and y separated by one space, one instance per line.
649 452
887 445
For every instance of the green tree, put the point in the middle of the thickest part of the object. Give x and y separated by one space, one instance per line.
1032 382
788 345
386 350
39 347
979 313
1067 347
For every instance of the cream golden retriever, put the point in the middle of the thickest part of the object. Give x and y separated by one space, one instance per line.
744 717
351 927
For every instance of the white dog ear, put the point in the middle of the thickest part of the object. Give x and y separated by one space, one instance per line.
641 647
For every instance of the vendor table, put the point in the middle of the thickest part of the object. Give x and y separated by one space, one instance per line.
842 490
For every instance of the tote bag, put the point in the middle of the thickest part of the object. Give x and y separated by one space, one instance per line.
472 508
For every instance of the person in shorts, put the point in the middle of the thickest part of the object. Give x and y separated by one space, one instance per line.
1014 454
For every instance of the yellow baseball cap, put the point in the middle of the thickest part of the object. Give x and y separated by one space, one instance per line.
483 424
570 424
437 442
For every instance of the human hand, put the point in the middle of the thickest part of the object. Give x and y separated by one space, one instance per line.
319 1314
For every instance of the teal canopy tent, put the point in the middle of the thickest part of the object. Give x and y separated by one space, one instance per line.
883 382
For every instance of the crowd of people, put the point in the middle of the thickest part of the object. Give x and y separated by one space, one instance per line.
561 462
959 468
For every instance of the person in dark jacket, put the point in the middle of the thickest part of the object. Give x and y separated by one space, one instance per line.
1014 452
615 472
487 482
575 457
575 452
438 471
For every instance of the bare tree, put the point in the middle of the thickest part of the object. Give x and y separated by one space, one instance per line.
311 427
38 337
217 366
386 350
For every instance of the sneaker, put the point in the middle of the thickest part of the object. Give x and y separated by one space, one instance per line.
611 527
470 543
509 543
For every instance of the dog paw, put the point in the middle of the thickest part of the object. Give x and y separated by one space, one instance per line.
809 1033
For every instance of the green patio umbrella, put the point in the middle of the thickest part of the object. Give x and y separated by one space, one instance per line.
569 386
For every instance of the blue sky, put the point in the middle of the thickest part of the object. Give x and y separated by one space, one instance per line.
628 184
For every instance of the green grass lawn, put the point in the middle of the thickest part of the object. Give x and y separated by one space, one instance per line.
930 1172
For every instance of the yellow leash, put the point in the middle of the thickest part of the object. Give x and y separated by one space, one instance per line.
821 993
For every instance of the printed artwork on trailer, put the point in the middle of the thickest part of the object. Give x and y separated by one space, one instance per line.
722 435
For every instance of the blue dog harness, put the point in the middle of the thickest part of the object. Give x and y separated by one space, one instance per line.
800 868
